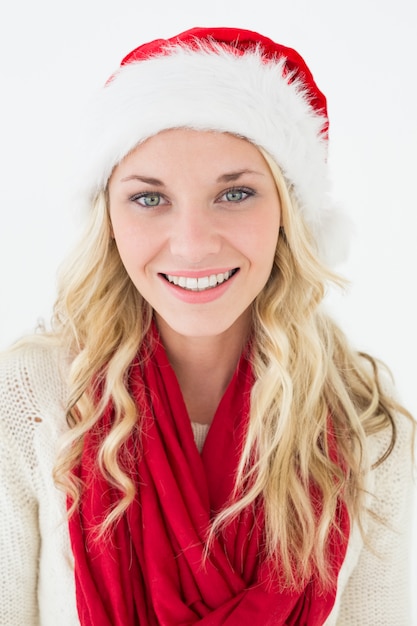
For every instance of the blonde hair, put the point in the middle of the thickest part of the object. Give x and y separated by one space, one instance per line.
304 368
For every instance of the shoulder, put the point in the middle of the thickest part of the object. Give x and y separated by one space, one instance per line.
32 401
32 378
33 372
390 483
402 432
390 456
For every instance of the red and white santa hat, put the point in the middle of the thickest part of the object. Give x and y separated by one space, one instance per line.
227 80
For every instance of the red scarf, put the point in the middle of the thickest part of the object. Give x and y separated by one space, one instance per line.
150 572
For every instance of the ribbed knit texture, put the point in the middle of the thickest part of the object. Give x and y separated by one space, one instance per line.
37 587
200 433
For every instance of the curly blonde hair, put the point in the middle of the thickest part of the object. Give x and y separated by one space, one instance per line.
304 369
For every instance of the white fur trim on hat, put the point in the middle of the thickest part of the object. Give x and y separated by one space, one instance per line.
210 88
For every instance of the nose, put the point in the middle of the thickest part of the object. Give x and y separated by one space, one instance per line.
194 236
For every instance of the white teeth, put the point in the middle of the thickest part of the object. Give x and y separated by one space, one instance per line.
203 283
199 284
191 283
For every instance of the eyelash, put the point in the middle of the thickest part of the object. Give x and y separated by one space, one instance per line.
247 191
146 194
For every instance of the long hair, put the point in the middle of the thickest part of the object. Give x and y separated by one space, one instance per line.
307 377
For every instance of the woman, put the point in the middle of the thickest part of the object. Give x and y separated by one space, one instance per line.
225 456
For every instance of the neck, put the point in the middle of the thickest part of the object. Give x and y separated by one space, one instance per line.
204 365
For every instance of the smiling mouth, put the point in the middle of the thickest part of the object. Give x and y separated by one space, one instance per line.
202 283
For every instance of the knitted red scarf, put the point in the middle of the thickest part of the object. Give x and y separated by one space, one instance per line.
151 570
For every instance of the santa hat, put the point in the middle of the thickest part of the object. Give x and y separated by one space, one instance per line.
227 80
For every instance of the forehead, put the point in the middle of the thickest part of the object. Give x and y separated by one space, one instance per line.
194 148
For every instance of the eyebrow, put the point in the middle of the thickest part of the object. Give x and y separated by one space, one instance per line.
232 176
144 179
224 178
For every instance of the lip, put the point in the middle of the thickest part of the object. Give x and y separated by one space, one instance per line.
198 297
199 273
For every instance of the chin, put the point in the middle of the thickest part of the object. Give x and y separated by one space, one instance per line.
200 327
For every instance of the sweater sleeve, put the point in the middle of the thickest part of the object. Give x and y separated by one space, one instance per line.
374 584
19 529
36 580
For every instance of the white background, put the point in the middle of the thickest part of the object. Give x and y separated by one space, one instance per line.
363 54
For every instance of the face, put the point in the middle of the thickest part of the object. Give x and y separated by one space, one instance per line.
196 216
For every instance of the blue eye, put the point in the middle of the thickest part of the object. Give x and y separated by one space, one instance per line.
237 194
148 199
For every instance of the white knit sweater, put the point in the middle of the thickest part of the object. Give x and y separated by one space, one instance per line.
37 586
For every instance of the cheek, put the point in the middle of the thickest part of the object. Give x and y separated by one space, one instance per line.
131 243
260 239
